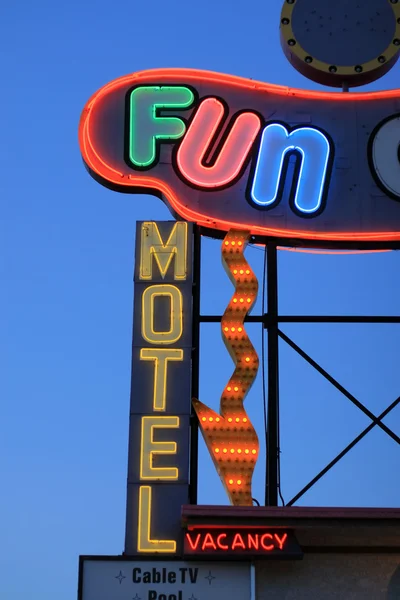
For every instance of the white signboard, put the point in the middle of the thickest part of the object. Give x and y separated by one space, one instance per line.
112 579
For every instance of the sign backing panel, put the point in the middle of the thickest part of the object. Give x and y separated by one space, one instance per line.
113 578
158 458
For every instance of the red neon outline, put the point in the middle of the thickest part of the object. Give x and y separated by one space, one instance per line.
197 140
106 172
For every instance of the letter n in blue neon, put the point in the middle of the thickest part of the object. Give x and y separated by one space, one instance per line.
314 152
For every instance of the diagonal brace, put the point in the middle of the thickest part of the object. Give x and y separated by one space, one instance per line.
339 387
342 454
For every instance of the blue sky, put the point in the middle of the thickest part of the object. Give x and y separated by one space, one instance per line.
66 248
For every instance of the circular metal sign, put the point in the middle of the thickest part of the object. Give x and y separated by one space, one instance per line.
341 42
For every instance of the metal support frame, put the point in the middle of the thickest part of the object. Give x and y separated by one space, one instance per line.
194 428
272 433
270 321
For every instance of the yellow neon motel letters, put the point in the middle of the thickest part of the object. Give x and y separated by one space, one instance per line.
145 543
149 447
161 358
162 253
175 318
153 246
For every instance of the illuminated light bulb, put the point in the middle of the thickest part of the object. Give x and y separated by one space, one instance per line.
239 243
240 329
217 419
247 272
247 359
210 419
241 271
244 420
237 419
239 451
246 451
241 300
239 482
226 328
226 243
230 419
236 389
249 300
233 243
254 451
203 419
232 451
225 450
228 388
235 300
231 481
233 329
216 450
235 271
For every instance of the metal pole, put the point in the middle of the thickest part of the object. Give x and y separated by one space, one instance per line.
194 429
271 496
253 581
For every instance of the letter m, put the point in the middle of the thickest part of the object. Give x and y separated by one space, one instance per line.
152 247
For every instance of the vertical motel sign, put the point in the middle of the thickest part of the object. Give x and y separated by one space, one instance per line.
160 405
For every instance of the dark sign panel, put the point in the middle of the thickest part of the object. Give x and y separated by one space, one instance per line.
227 152
158 468
240 542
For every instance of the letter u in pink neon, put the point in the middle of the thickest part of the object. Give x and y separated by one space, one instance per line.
201 135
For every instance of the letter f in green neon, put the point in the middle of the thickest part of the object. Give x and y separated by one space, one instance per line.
147 127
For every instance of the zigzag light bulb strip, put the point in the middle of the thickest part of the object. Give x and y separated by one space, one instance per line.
230 436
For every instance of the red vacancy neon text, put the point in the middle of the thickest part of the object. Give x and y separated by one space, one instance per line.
235 542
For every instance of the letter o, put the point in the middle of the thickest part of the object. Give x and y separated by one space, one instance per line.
384 155
175 327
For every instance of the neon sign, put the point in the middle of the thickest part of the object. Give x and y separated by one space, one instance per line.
230 436
294 164
160 396
262 542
